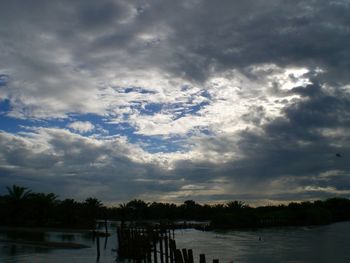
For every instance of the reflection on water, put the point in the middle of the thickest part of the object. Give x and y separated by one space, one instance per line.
10 252
23 251
288 244
43 235
12 234
67 237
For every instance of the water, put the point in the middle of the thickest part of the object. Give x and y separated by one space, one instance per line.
286 244
24 253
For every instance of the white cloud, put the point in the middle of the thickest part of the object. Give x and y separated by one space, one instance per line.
81 126
226 103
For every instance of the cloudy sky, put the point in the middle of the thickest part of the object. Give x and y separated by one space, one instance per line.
176 100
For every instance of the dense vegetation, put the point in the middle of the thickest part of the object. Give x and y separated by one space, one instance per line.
21 207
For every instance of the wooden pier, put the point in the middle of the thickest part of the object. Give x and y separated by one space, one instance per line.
153 245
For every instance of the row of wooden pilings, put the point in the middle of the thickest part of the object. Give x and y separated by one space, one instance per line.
153 245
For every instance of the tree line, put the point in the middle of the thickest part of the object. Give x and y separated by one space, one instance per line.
22 207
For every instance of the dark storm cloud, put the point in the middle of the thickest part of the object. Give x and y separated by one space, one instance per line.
51 49
192 37
56 55
239 34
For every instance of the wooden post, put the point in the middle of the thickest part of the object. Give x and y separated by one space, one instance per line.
148 239
128 244
105 245
178 256
106 227
184 254
172 247
166 249
202 258
119 238
161 248
190 256
149 255
154 248
98 246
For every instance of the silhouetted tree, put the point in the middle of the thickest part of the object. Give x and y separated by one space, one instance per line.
93 209
68 213
16 197
17 193
190 209
23 207
235 205
137 208
40 208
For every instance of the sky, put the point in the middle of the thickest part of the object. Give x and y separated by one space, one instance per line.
175 100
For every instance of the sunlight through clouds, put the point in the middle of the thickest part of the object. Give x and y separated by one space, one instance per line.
200 100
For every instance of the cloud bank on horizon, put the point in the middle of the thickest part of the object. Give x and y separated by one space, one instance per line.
176 100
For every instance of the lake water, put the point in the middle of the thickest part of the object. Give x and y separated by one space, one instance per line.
285 244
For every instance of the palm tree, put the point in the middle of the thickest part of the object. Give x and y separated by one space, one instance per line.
93 203
41 207
16 196
235 205
93 210
138 208
123 208
17 193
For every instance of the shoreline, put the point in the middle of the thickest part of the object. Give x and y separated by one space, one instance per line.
46 244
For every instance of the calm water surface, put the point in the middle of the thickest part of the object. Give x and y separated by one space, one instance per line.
288 244
329 243
22 253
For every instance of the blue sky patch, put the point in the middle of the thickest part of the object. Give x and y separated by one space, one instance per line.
13 125
152 144
152 108
156 144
